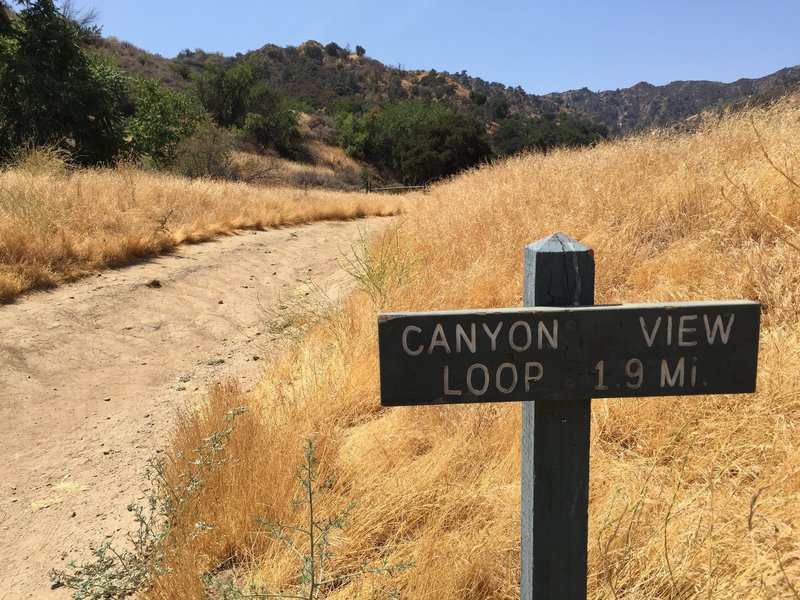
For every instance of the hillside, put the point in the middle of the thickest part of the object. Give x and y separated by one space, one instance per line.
691 497
322 75
188 114
644 106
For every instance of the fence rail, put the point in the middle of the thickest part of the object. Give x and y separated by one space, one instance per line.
392 189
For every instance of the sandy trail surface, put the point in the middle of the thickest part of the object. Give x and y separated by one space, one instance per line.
92 375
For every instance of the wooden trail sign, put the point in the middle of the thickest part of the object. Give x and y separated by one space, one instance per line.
559 352
547 353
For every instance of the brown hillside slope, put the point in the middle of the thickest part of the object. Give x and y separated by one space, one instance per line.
695 497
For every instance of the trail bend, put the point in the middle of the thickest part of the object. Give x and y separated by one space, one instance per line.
92 375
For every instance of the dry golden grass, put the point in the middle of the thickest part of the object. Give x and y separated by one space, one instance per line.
695 497
56 225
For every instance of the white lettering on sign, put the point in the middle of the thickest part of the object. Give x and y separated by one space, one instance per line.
635 372
527 336
649 338
406 349
670 379
683 330
506 378
530 375
712 331
461 335
552 336
522 336
447 390
498 378
686 332
471 384
599 368
439 339
493 334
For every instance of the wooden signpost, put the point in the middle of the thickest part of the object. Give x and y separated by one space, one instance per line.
560 351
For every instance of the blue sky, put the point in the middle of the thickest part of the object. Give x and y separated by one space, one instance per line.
541 46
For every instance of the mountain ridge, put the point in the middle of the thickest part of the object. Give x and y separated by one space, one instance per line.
639 107
645 105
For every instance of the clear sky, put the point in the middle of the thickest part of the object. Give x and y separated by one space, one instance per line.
542 46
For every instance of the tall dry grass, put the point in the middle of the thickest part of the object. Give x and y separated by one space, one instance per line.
695 497
57 224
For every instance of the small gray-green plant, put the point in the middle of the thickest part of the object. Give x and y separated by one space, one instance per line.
381 269
295 315
314 553
118 572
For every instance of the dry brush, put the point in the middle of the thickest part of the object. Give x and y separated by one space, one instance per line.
695 497
57 224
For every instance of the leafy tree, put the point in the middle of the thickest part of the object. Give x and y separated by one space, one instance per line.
517 133
415 140
234 97
53 92
277 130
396 90
225 93
477 97
354 134
162 119
498 107
313 52
510 137
360 51
333 50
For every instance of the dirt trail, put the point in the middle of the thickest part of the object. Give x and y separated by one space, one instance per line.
92 374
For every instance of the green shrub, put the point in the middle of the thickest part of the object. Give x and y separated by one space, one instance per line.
161 120
517 133
225 93
333 50
417 141
53 92
208 152
313 52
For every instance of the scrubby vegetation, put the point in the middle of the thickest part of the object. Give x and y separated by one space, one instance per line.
694 502
63 85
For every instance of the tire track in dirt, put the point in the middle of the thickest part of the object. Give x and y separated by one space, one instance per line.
92 375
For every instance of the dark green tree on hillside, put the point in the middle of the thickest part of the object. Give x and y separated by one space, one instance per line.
53 92
225 93
235 97
517 133
417 141
333 50
163 118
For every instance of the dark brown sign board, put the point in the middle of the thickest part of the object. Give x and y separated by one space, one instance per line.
545 353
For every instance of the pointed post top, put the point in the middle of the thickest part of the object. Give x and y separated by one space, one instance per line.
550 280
557 242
